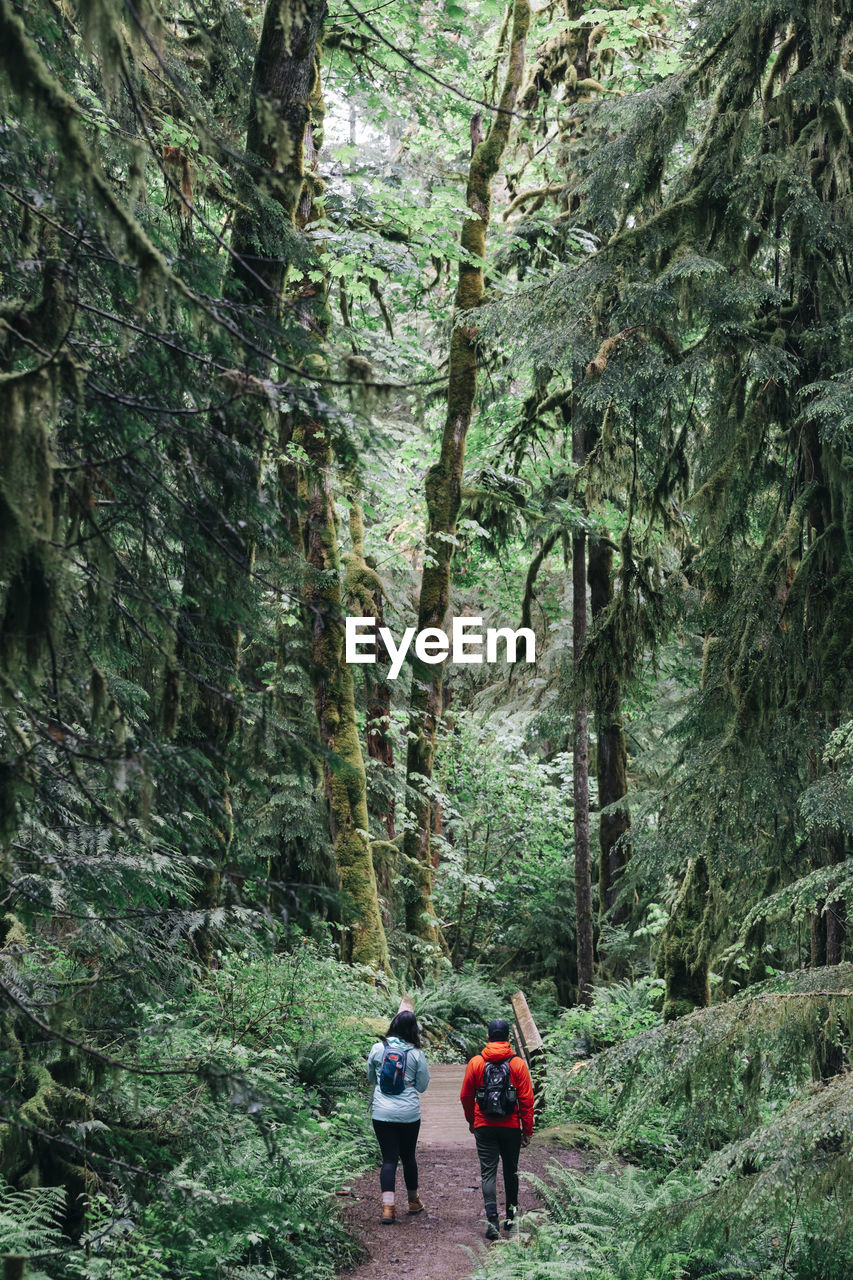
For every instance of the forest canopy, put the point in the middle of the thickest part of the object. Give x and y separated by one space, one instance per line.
526 321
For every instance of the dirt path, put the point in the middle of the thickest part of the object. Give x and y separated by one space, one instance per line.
431 1245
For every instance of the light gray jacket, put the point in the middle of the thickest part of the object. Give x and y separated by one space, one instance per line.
403 1107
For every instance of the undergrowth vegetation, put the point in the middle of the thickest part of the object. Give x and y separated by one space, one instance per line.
718 1146
240 1112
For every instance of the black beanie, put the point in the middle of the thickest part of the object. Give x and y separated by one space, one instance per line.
498 1029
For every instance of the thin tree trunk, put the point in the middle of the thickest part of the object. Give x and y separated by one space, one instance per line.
835 915
536 563
580 759
444 486
611 754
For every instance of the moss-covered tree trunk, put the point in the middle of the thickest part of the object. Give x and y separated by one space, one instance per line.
363 938
221 583
284 79
584 932
444 484
29 565
380 746
611 750
686 944
364 596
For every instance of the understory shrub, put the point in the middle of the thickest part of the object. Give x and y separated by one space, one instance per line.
617 1013
227 1169
454 1011
619 1223
741 1117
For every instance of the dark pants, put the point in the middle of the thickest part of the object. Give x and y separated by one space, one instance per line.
497 1142
397 1142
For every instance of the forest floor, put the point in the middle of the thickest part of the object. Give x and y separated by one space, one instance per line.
438 1244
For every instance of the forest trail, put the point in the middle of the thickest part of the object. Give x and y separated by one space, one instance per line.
443 1124
432 1245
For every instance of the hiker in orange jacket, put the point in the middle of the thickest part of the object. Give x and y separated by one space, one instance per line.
497 1098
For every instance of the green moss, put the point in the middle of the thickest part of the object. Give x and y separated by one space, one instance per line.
363 939
686 945
362 586
346 787
12 932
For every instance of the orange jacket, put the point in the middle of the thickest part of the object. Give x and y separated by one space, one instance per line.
497 1051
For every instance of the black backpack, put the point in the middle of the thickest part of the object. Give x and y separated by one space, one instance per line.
497 1096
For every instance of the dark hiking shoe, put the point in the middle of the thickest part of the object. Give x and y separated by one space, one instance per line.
492 1232
509 1221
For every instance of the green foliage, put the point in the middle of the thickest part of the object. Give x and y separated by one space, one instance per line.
29 1220
750 1178
617 1223
602 1226
505 866
716 1069
237 1158
618 1012
828 803
454 1011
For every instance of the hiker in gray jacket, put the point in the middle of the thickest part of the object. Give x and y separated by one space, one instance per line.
398 1071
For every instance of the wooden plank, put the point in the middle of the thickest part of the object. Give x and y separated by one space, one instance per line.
531 1047
407 1005
528 1032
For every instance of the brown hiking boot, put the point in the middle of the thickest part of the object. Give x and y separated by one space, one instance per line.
388 1215
416 1205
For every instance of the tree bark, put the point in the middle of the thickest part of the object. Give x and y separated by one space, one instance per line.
444 487
611 754
29 564
584 937
283 80
363 939
828 925
364 595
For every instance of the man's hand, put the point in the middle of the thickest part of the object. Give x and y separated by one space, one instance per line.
471 1126
525 1139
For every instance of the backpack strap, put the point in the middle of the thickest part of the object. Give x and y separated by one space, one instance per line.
516 1057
